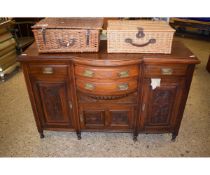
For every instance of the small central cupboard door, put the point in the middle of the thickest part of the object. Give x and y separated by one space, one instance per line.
160 106
121 117
107 117
92 117
53 99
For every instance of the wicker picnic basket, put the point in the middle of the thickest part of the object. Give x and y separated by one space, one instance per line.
68 34
139 36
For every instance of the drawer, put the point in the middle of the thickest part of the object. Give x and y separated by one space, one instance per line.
107 73
47 69
165 70
106 88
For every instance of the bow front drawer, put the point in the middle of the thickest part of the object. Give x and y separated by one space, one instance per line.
106 73
106 88
165 70
48 69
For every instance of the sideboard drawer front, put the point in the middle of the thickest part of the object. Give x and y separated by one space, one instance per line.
106 88
107 73
48 69
165 70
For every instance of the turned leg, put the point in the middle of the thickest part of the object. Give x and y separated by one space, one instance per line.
41 134
79 135
135 138
135 135
173 138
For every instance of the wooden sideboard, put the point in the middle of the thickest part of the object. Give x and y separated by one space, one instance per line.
136 93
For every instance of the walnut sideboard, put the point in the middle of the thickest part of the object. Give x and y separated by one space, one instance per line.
118 92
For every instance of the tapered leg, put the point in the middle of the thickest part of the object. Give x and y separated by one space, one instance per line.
135 135
41 135
173 139
79 135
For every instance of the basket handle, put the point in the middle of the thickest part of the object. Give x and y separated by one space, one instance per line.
69 43
130 41
140 33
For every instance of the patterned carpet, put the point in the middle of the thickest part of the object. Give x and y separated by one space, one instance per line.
19 136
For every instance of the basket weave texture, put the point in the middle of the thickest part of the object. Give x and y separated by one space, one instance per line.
68 34
137 36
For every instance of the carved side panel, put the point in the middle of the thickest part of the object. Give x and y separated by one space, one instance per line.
161 103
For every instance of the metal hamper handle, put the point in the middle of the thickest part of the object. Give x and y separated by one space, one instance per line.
69 43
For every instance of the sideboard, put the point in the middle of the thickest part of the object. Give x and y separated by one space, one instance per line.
118 92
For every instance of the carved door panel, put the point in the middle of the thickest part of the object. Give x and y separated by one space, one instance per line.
121 117
160 106
92 117
53 102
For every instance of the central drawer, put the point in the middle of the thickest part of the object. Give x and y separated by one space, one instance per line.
106 88
107 81
106 72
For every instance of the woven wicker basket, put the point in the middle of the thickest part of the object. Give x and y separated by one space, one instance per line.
137 36
68 34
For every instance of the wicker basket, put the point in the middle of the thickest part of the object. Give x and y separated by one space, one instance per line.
68 34
137 36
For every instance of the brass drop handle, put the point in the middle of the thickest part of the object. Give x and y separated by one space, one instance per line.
123 74
89 86
123 86
88 73
166 71
47 70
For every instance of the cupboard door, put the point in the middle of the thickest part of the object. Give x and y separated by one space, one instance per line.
53 102
160 106
112 117
92 118
121 117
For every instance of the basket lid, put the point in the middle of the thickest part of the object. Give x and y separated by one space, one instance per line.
70 23
133 25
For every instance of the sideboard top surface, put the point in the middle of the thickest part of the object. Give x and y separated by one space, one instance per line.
180 54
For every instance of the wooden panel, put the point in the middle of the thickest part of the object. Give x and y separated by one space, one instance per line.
121 117
162 101
107 73
54 102
165 70
92 117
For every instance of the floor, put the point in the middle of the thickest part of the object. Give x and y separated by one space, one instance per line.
19 136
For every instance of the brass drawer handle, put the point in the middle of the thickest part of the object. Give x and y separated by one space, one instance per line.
166 71
123 86
88 73
47 70
124 74
89 86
